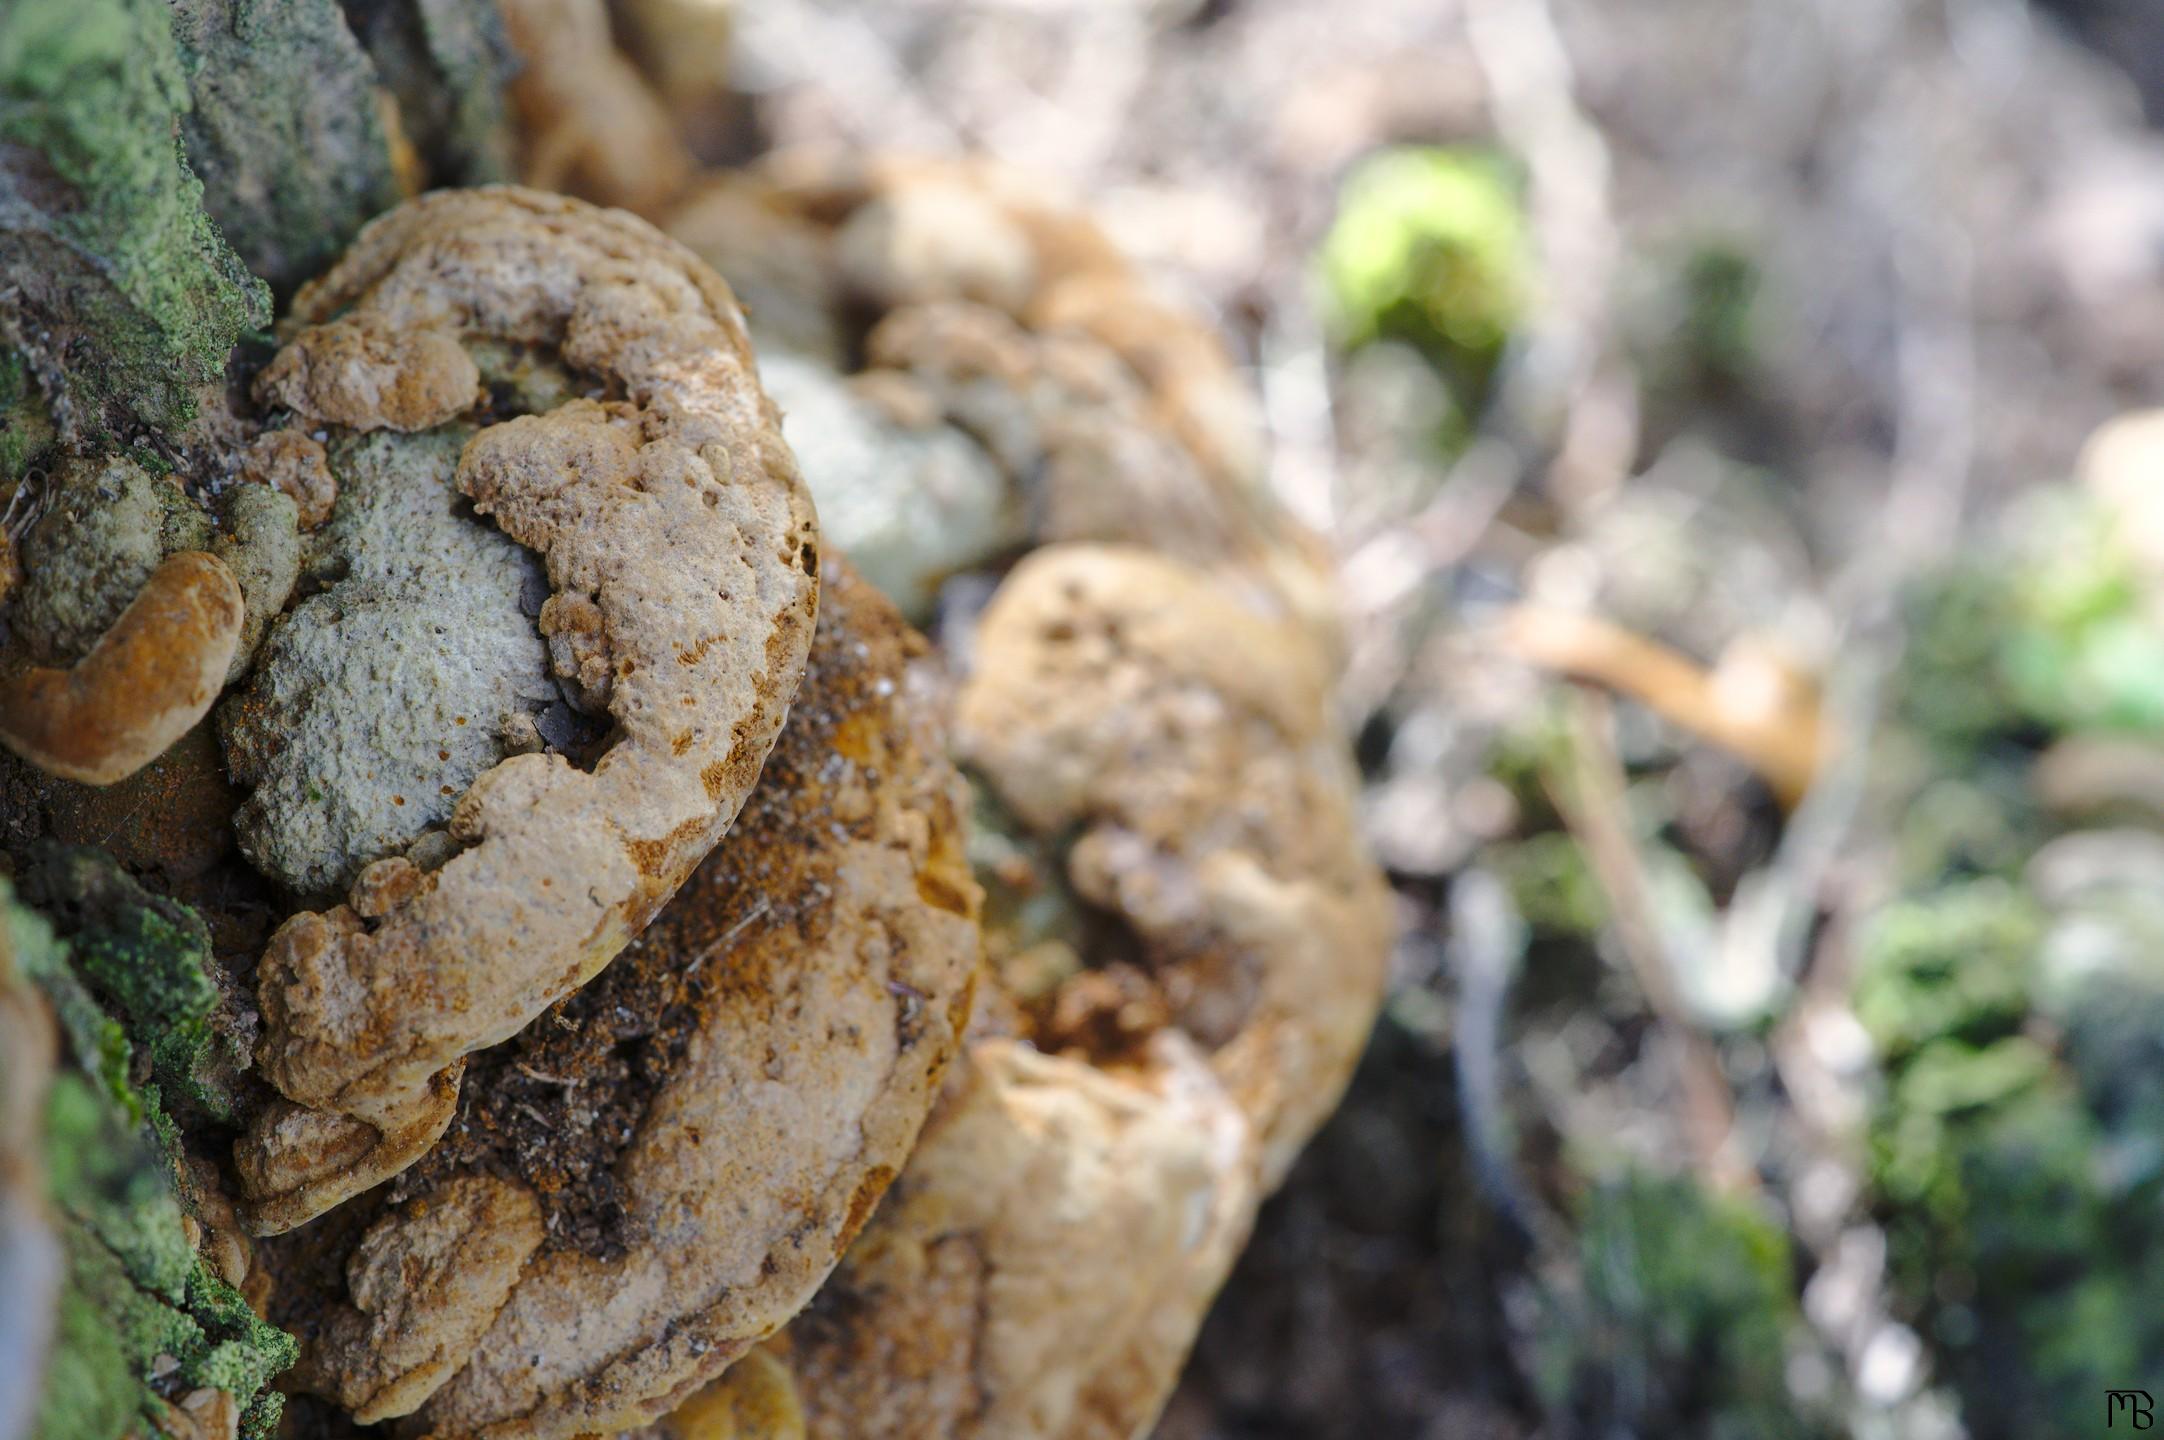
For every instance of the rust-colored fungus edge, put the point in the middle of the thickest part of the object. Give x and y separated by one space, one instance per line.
681 548
145 684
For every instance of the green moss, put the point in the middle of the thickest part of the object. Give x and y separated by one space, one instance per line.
96 1040
1430 247
146 957
124 297
93 1388
1683 1324
1953 965
2050 633
1720 281
135 1291
26 425
104 1174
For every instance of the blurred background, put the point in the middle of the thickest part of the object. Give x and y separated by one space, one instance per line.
1727 418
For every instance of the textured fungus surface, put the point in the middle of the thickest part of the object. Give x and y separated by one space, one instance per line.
680 552
1180 915
383 697
1180 748
704 1128
1163 748
1039 1268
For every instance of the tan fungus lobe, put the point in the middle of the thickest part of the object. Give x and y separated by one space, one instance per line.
296 464
823 962
1038 1269
674 523
1049 1253
1017 319
591 126
756 1399
1148 699
1185 742
145 684
370 372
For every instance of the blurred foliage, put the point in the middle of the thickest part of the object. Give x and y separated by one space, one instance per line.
1551 884
1430 247
2017 1146
1684 1321
2056 632
1951 966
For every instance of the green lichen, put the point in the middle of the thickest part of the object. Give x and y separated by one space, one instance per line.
366 716
141 1318
285 130
123 297
147 958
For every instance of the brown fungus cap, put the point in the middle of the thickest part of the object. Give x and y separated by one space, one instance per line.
679 544
662 1169
1052 1247
145 683
1041 1265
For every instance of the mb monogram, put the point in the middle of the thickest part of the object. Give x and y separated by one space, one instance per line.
2130 1405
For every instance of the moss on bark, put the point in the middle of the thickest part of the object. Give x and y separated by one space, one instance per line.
286 130
119 293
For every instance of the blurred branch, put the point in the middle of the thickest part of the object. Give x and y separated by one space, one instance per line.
1487 944
1566 365
1747 704
1592 805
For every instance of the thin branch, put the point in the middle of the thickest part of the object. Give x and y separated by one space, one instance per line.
1592 804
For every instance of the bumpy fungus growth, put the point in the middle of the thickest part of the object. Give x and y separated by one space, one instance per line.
1042 1265
1179 746
694 1137
1182 921
1005 336
679 546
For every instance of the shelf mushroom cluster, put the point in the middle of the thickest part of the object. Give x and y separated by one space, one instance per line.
669 988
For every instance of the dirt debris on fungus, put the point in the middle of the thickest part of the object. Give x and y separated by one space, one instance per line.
705 1127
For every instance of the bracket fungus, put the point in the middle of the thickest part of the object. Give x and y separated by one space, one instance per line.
124 623
995 322
660 1172
145 683
680 549
1185 939
652 984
